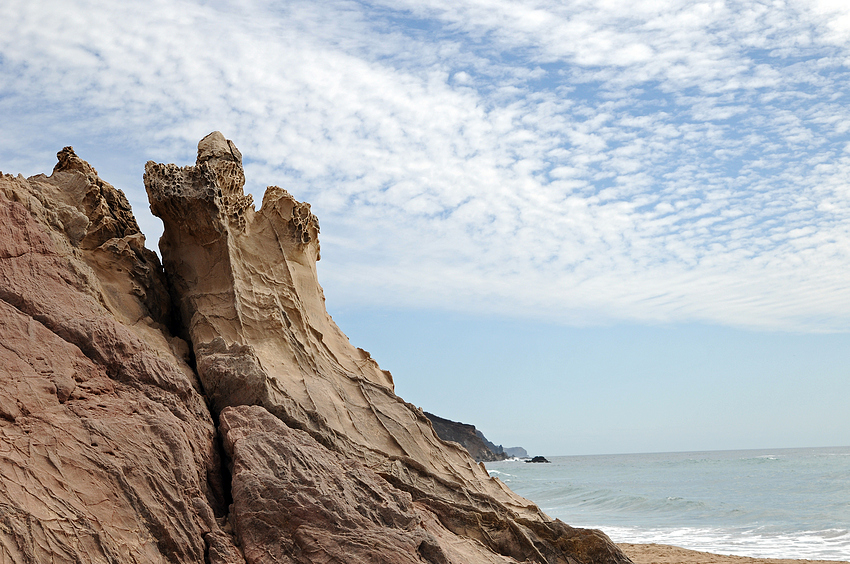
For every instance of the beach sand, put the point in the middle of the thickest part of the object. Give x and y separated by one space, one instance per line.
663 554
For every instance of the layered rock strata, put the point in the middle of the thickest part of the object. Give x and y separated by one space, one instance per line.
255 434
352 514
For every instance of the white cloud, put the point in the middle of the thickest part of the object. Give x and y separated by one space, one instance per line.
579 161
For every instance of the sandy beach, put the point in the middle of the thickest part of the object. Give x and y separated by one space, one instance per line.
664 554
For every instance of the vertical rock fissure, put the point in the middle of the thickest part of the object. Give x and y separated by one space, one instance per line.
224 473
222 509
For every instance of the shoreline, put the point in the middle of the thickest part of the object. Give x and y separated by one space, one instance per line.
668 554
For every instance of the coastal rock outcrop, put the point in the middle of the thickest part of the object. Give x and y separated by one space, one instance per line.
212 411
248 294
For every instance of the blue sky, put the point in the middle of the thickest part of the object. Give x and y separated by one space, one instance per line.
585 227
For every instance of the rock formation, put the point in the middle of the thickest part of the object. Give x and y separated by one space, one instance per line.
213 411
467 436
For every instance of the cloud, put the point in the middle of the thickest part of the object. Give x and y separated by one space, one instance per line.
576 161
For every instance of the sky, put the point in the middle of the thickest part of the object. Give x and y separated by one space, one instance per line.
583 226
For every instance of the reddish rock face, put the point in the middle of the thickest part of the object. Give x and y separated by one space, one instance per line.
108 450
295 500
106 443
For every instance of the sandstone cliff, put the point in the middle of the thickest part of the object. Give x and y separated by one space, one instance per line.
236 425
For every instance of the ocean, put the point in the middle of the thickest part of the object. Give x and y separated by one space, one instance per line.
779 503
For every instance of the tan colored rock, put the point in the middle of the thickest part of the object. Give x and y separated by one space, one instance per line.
108 449
248 295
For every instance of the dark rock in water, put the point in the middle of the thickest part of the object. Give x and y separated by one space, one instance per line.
538 459
266 438
467 436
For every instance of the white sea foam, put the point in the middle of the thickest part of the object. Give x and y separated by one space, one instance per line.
831 544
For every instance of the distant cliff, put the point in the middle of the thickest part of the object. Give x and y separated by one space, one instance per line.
468 437
208 409
473 440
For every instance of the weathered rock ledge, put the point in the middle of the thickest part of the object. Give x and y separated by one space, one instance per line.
211 410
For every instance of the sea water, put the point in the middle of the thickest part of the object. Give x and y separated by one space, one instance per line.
786 503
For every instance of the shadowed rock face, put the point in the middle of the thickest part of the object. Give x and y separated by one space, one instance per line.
110 450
